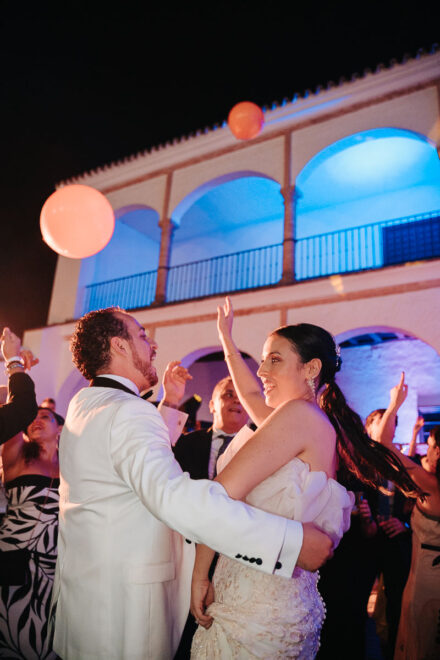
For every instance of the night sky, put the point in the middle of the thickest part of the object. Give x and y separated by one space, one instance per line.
84 84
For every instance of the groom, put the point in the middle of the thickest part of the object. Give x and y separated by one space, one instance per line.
121 586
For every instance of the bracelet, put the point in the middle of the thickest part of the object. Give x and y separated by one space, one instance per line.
14 365
13 359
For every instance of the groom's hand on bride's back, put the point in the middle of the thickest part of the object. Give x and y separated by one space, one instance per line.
316 548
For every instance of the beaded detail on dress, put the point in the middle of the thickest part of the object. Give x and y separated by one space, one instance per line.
257 615
261 616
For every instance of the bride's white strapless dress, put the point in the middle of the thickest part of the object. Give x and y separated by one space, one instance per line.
257 615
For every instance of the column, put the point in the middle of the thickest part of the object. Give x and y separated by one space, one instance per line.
290 195
167 227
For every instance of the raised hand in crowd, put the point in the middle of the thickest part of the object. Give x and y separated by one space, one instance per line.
11 348
22 405
387 426
174 382
412 449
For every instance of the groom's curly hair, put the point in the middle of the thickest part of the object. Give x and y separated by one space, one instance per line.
90 343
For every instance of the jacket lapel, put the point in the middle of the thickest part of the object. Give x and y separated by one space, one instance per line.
102 381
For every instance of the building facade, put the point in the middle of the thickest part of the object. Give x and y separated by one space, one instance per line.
330 216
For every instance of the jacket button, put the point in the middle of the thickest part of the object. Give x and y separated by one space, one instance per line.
252 560
245 558
259 561
188 541
278 565
237 556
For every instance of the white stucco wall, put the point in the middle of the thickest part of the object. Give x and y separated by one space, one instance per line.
266 159
149 193
405 298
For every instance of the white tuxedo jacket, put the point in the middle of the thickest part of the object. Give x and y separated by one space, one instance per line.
122 581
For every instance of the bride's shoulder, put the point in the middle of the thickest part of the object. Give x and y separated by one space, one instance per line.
307 413
299 407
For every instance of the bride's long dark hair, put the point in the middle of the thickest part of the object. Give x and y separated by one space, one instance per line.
368 460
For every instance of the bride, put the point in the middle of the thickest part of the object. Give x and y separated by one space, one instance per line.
287 466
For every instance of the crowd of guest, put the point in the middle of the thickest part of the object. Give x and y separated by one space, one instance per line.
393 540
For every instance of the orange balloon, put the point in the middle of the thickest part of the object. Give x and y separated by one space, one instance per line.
246 120
77 221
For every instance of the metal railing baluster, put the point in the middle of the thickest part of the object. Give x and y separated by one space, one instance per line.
347 250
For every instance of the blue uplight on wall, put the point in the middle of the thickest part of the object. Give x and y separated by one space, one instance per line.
368 164
368 177
366 201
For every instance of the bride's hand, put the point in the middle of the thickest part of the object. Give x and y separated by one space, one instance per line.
202 595
225 318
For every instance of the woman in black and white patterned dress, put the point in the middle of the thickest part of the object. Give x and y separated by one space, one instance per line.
31 476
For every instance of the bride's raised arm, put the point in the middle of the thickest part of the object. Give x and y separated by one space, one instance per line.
245 383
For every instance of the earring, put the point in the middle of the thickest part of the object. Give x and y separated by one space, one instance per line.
311 384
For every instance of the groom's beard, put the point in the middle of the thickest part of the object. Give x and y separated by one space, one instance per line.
145 368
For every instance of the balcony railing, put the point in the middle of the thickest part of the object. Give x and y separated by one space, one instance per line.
371 246
230 272
349 250
127 292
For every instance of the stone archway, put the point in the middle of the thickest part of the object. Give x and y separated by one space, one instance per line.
207 367
368 177
234 212
373 358
132 254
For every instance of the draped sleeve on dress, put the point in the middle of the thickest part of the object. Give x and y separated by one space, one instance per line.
296 492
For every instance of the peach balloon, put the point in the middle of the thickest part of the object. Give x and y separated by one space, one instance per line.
246 120
77 221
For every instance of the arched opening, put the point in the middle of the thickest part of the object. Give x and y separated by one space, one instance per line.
238 214
133 253
372 361
207 366
360 199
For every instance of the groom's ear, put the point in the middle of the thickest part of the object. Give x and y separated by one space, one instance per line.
119 346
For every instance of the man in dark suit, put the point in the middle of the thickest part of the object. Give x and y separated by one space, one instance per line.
197 453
